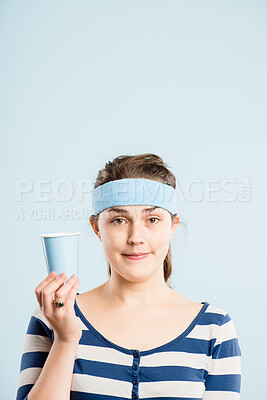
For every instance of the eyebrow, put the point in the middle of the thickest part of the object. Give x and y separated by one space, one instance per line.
120 210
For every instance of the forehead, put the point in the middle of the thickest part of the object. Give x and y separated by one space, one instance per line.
133 209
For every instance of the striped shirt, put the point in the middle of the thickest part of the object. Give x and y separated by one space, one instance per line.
204 362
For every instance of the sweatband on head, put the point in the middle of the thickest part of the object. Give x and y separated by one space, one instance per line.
134 191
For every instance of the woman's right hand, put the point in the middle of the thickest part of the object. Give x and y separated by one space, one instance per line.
66 326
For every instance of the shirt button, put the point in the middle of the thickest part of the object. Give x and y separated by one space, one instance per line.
133 396
134 382
134 366
136 355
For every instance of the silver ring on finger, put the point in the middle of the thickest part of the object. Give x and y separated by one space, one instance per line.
59 303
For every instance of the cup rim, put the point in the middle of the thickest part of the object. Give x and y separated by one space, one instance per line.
45 235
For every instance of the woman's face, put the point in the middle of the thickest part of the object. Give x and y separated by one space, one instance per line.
125 230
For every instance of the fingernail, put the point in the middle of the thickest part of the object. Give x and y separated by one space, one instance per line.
53 274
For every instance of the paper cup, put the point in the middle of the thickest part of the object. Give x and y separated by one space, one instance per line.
61 251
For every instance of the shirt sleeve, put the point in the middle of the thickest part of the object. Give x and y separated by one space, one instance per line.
37 344
223 381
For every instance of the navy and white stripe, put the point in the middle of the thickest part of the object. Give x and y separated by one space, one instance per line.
203 363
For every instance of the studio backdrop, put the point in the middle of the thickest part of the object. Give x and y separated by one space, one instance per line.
85 81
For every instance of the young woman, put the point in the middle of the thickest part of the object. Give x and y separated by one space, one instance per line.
133 337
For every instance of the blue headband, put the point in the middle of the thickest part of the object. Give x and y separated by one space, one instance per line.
129 192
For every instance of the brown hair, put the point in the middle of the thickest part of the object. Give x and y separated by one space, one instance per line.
147 166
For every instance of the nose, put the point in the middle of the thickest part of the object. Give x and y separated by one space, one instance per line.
136 233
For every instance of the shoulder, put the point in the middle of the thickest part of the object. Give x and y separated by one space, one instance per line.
38 324
210 313
92 297
223 326
38 313
216 314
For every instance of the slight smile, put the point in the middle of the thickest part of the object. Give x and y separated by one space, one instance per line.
138 256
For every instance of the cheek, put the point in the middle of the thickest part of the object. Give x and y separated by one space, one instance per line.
112 240
161 242
161 235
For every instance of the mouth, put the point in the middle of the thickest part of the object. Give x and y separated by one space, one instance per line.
139 256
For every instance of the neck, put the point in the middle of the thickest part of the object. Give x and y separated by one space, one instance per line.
123 293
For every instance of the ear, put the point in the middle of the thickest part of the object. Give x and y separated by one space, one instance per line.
175 223
94 225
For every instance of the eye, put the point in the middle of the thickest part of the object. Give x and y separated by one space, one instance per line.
117 219
121 219
154 219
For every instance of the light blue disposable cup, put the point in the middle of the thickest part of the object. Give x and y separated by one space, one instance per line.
61 251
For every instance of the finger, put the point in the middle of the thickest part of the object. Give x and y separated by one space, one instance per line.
41 285
72 293
72 283
47 292
60 286
62 292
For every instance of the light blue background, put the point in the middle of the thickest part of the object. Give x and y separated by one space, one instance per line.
85 81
